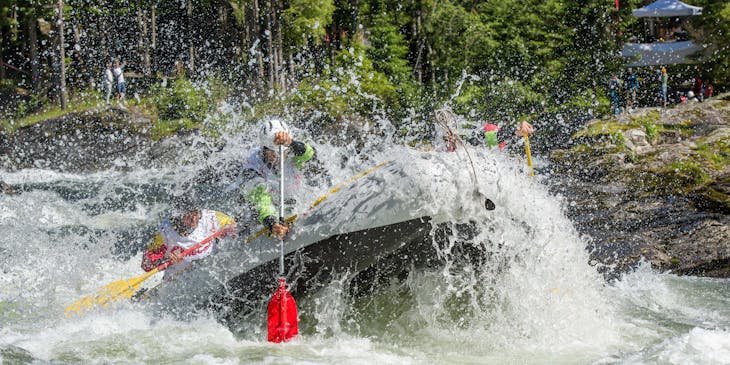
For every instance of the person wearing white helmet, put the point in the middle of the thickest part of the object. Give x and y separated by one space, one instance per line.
691 97
261 175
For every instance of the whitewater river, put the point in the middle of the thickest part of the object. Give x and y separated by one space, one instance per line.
526 293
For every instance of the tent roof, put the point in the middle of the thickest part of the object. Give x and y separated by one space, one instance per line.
652 54
667 8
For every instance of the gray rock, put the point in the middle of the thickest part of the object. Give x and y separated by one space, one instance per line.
6 189
667 203
635 141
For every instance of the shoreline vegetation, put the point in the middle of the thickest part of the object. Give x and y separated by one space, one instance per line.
344 60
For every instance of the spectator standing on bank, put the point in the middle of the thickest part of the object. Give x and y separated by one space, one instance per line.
108 81
709 89
614 93
691 97
632 84
697 86
121 83
664 79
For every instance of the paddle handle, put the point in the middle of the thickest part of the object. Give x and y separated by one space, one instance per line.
529 155
194 247
281 208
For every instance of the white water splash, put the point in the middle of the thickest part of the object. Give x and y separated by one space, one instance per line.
531 296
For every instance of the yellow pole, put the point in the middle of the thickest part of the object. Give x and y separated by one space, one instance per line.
529 155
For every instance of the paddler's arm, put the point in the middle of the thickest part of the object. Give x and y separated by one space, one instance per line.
154 254
302 152
524 129
263 205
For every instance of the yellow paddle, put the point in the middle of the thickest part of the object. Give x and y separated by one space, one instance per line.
125 288
529 155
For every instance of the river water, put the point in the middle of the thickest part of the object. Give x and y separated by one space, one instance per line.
524 292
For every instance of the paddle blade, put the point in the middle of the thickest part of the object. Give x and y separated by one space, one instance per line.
283 320
120 289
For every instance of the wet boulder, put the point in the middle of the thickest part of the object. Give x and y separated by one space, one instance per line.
653 185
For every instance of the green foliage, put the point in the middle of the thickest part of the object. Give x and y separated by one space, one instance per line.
37 109
652 132
165 127
308 20
181 100
602 128
238 8
717 155
714 29
680 177
492 60
687 174
388 49
368 81
449 28
618 139
184 106
352 87
649 122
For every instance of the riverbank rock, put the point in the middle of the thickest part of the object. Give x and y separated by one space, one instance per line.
90 140
6 189
653 185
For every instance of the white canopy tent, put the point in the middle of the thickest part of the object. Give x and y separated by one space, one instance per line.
667 8
677 49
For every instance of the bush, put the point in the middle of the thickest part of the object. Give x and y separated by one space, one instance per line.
652 131
182 100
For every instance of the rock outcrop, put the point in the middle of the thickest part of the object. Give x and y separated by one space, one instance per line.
653 185
94 139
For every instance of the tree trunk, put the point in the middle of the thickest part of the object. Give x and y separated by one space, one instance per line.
78 60
62 57
270 44
355 10
292 74
33 52
142 33
2 63
244 35
281 74
245 32
257 36
191 52
420 41
429 56
153 41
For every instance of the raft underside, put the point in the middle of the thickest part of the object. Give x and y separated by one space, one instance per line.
310 268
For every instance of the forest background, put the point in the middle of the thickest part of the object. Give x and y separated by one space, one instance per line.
341 60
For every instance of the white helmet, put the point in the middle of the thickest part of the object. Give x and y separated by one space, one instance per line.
268 130
690 94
